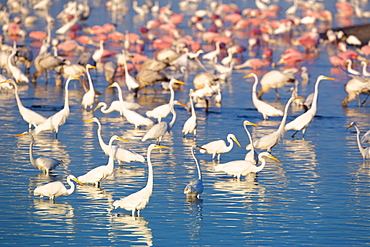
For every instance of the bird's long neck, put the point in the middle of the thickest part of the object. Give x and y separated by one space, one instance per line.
91 85
192 107
111 155
197 163
172 108
103 145
362 150
19 102
32 160
315 96
250 138
254 88
149 183
66 103
120 97
231 144
72 186
260 167
283 120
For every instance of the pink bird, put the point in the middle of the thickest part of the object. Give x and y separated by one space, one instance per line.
254 63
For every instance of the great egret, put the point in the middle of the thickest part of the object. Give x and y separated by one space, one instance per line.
262 107
16 72
98 174
56 188
163 110
269 141
43 163
160 129
89 97
190 126
218 147
139 200
122 155
301 122
31 117
58 119
131 116
240 168
252 155
195 187
116 106
365 152
131 82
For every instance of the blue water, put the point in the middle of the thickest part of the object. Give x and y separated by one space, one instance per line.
317 195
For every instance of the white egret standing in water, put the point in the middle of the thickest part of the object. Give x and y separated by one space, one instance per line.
139 200
56 188
190 126
365 152
43 163
262 107
195 186
252 155
302 121
218 147
240 168
98 174
31 117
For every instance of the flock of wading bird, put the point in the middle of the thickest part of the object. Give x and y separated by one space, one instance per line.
177 55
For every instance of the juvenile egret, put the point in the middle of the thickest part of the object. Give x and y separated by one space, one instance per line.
190 126
302 121
195 187
252 155
240 168
122 155
269 141
131 116
139 200
58 119
276 79
218 147
31 117
56 188
89 97
163 110
43 163
365 152
160 129
262 107
98 174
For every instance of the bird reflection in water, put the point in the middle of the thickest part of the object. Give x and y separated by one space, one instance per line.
249 188
133 227
195 207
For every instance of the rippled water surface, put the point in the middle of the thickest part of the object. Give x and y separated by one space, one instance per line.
318 194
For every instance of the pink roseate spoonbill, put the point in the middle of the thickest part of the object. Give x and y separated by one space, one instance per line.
302 121
254 63
262 107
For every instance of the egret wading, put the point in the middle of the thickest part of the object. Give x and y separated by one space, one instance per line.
56 188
